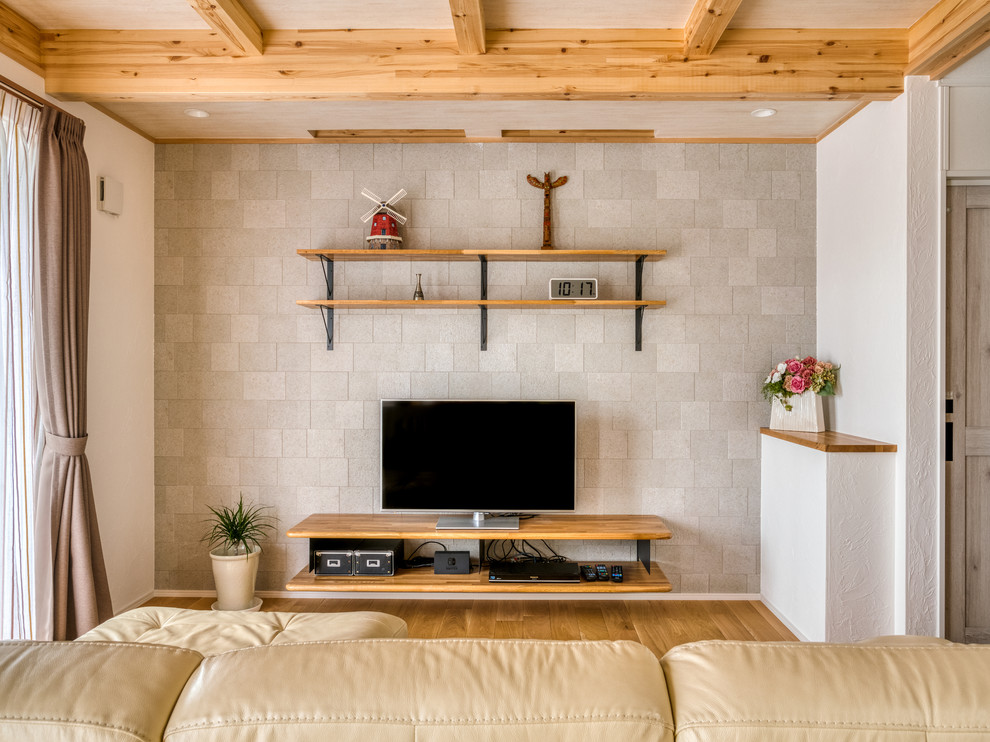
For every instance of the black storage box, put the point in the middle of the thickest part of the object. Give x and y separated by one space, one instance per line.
396 546
374 562
330 562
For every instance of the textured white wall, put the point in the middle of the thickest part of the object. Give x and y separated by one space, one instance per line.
880 315
860 531
862 192
248 399
862 280
924 475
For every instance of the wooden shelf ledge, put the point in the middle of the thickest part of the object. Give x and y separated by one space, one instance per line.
476 303
558 526
539 256
829 441
636 580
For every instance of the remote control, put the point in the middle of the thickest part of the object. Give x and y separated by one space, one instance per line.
616 573
602 572
588 573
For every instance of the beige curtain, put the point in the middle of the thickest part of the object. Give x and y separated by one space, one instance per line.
81 592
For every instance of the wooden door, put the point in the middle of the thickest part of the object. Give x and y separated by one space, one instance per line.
968 411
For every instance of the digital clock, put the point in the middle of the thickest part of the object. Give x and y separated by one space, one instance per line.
573 288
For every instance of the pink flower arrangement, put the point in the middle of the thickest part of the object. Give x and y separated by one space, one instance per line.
795 376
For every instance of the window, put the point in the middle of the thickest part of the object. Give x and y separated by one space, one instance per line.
18 396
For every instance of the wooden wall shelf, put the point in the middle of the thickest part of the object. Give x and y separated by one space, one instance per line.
475 303
643 576
829 441
539 256
483 303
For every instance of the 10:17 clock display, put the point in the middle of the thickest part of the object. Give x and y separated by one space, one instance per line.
573 288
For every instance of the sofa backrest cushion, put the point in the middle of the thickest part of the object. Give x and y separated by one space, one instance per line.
212 632
87 691
792 691
429 691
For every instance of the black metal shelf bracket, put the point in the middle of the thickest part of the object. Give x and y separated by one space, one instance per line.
640 311
643 552
327 312
484 297
484 326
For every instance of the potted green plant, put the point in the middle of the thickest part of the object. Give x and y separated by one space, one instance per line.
234 540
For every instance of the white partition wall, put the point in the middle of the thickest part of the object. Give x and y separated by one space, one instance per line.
792 530
827 534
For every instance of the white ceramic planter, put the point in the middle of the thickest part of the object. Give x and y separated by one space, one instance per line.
235 577
806 414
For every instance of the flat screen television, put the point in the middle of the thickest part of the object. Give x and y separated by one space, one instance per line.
478 457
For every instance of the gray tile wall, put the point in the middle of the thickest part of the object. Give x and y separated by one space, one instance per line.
249 401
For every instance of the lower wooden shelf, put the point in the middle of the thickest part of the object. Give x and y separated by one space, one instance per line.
636 580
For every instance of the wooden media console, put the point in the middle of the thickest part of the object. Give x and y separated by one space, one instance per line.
643 576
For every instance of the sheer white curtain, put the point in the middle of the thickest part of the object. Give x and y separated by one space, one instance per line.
19 598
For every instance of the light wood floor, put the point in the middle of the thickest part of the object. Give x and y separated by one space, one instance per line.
657 624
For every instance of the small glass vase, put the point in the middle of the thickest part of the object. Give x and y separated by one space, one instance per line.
418 294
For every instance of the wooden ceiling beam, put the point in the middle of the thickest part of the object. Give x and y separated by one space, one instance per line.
947 35
545 64
706 24
20 40
229 19
469 25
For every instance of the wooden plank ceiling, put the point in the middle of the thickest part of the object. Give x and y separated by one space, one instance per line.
227 56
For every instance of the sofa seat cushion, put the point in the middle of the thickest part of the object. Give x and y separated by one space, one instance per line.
84 691
212 632
883 691
451 690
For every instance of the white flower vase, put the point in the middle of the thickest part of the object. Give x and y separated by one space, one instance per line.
806 414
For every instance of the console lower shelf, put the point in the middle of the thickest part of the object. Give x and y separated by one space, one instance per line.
636 580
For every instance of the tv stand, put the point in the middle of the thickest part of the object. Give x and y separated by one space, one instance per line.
643 576
478 521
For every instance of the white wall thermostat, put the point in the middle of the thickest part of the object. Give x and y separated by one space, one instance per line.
573 288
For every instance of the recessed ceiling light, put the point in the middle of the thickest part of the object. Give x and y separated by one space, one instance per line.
197 113
762 113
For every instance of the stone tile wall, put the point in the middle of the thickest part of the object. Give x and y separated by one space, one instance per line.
248 400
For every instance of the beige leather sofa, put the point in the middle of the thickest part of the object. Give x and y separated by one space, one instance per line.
213 632
444 690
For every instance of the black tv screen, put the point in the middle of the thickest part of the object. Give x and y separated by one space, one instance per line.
478 456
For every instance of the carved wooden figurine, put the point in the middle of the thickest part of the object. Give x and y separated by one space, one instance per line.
547 186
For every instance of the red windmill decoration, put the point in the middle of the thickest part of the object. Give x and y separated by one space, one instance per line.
385 226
